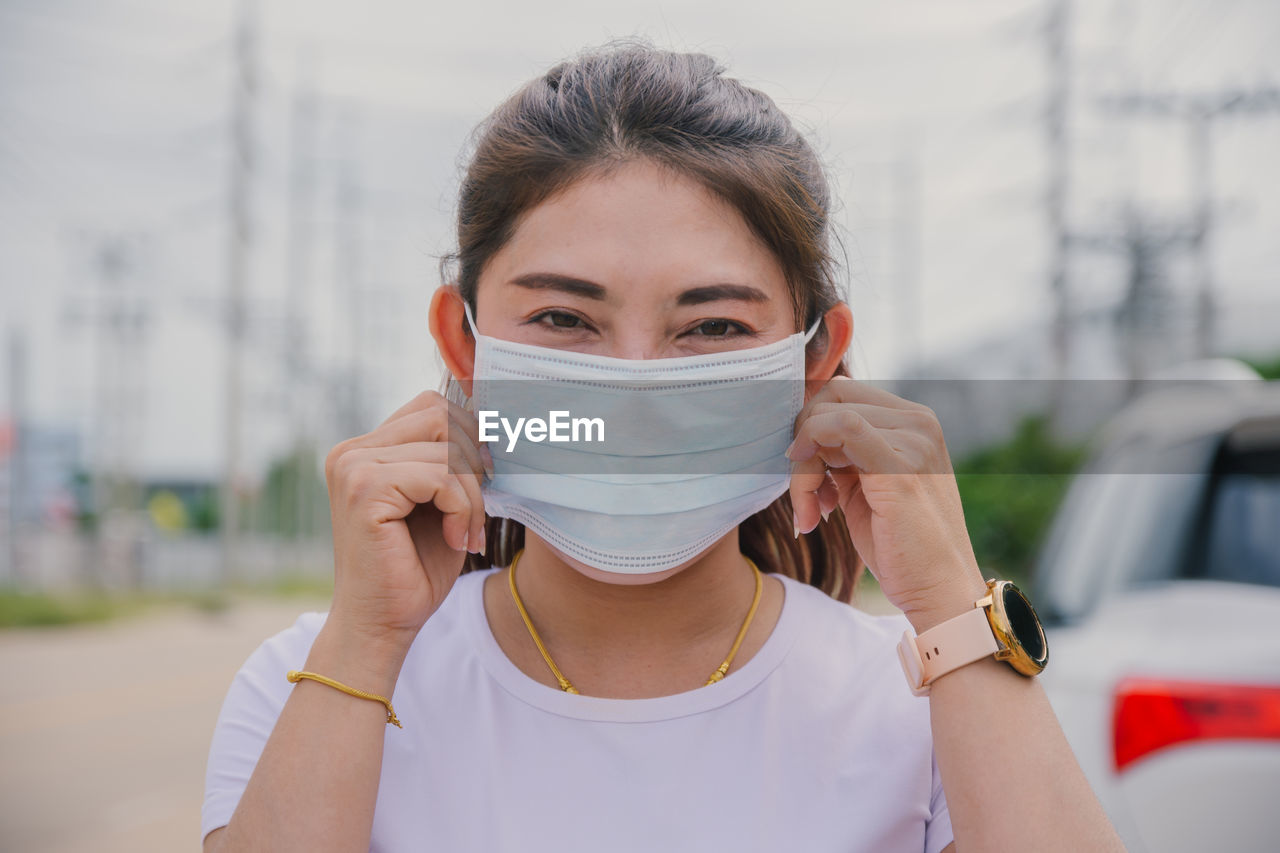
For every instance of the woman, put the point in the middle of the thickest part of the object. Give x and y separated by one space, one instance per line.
633 214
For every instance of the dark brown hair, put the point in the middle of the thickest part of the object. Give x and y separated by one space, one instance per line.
629 100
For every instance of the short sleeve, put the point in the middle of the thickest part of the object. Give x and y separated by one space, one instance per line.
937 833
249 713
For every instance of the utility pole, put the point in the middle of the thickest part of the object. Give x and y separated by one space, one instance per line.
1142 316
243 90
348 245
1058 56
13 454
119 314
301 215
1200 112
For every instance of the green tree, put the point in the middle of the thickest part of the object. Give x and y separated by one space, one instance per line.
1268 368
1010 492
294 498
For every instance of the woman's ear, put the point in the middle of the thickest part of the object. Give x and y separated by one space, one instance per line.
838 324
447 320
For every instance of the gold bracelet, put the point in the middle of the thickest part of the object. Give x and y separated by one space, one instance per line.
293 676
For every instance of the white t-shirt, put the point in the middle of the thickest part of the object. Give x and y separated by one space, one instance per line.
815 743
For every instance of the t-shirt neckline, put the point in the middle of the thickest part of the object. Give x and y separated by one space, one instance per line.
738 682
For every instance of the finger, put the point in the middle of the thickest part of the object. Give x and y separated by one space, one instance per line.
430 400
436 423
475 526
846 480
466 420
462 458
845 389
901 428
429 424
844 437
394 488
465 457
807 478
857 516
828 496
447 454
466 514
881 417
815 492
838 437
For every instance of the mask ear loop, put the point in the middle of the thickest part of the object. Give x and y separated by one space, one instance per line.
813 330
471 321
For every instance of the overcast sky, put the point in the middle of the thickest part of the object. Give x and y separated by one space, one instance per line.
116 125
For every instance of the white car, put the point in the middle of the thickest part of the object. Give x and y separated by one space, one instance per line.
1159 587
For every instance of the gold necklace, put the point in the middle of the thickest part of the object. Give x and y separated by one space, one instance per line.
564 683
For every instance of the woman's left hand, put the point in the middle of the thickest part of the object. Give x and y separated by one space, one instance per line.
883 461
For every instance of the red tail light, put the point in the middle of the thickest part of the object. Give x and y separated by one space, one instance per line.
1151 714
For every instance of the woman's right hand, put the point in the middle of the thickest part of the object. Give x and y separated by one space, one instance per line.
406 508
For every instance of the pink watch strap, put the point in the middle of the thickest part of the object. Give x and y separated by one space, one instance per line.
946 646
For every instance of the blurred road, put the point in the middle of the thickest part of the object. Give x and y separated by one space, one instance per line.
105 729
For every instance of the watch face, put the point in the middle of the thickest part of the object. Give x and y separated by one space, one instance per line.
1024 623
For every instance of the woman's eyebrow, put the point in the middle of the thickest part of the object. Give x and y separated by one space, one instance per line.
591 290
563 283
715 292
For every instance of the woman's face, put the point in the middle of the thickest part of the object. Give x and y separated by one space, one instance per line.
639 264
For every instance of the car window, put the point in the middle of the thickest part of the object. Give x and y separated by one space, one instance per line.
1126 522
1240 537
1075 552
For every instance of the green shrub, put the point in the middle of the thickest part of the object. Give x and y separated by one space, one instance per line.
1010 492
33 609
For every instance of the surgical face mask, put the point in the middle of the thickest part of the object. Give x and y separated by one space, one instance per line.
655 459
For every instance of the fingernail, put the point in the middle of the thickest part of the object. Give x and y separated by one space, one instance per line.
482 542
790 447
826 515
465 541
796 530
487 458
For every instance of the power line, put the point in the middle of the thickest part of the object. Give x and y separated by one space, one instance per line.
1057 54
1199 112
1145 243
119 312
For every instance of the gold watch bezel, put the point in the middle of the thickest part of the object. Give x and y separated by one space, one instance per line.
1011 650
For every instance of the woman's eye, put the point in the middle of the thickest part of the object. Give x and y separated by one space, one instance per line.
559 319
718 328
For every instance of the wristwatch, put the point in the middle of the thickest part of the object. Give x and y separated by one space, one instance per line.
1003 624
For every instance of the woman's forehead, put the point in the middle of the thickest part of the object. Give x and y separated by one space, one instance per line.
639 226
